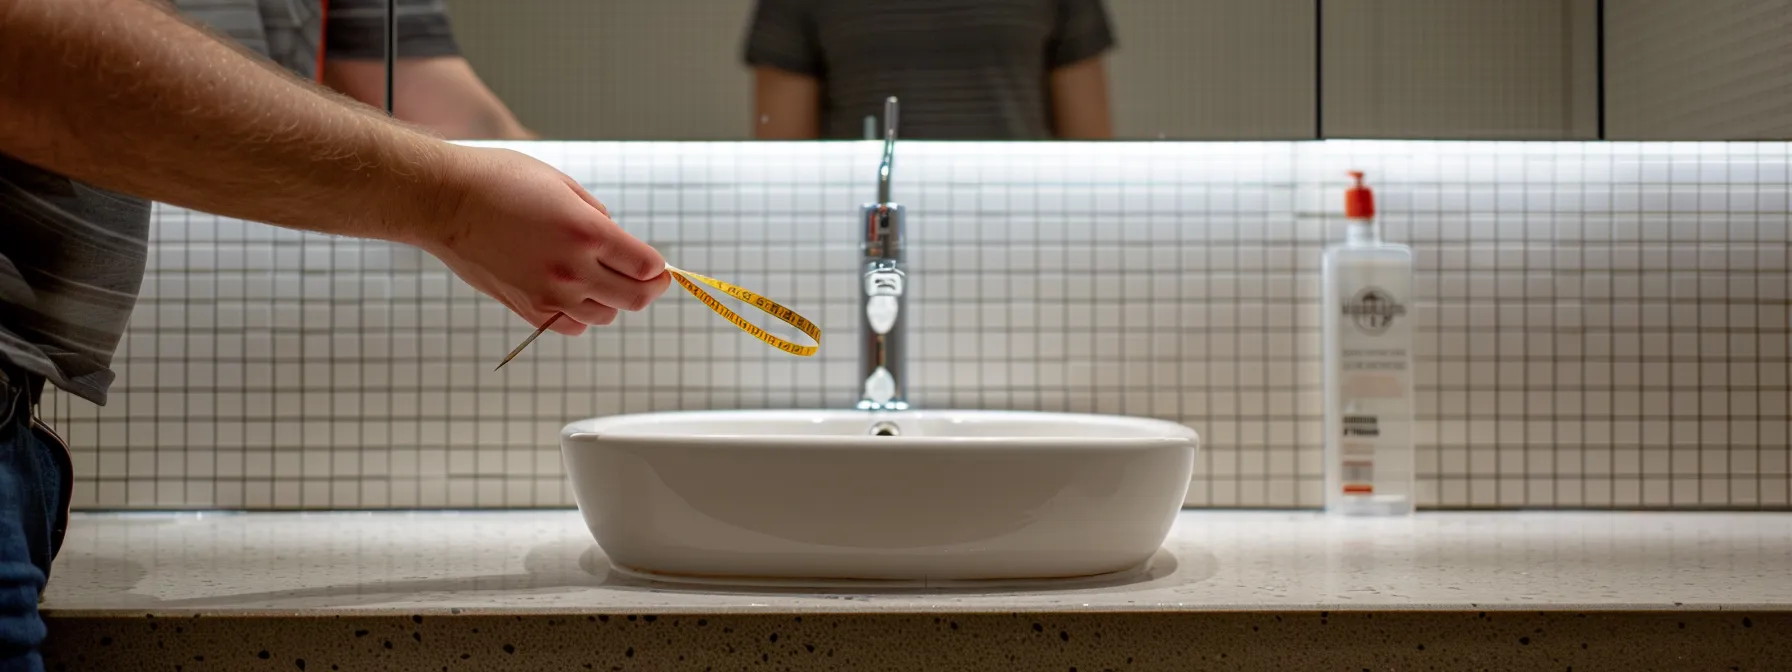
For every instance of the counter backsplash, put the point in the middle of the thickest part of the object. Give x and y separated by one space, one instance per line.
1600 324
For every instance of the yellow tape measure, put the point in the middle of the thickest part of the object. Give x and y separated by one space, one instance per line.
689 280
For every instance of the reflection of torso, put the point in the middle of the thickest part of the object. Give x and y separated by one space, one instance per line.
292 33
964 69
285 31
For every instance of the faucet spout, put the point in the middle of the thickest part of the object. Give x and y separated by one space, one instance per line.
884 169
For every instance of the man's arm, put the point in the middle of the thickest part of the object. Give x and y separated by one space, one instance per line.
1081 38
786 105
1080 101
782 50
440 93
123 95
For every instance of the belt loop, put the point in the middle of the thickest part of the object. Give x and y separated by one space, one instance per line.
17 386
11 404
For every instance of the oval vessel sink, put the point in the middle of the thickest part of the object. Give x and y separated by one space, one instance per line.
878 495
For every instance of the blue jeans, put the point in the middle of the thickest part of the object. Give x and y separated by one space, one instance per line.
34 487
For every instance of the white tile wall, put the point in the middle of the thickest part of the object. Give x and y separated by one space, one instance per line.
1604 324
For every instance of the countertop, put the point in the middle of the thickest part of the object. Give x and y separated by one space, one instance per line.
1223 582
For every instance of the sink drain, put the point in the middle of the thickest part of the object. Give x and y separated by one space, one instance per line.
885 429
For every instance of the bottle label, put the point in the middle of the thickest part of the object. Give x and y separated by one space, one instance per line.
1374 335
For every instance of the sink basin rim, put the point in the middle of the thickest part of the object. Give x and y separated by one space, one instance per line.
1034 442
631 426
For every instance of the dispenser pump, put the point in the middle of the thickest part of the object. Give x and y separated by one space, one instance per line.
1359 207
1359 201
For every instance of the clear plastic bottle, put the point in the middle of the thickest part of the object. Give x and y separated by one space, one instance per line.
1369 409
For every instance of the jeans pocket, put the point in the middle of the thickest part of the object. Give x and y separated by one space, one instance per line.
57 464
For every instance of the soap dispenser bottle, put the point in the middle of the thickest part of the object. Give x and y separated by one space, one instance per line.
1367 322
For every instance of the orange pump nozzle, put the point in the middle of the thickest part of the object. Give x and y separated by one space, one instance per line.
1359 201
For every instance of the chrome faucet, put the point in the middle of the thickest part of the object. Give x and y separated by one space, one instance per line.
883 299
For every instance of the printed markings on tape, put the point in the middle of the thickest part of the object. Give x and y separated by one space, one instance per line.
689 280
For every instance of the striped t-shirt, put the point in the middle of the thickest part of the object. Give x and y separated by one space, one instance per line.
72 257
71 261
963 69
289 31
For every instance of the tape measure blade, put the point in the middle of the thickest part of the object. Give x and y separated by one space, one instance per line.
689 281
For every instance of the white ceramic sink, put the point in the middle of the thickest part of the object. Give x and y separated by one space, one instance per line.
815 495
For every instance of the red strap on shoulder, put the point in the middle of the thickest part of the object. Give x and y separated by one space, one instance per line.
323 36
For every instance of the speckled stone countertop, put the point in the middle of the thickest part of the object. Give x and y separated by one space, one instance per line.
1230 590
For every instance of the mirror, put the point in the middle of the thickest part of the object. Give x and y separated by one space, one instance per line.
680 69
1122 69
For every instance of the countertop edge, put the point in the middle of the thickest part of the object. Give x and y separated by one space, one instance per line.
1717 639
904 612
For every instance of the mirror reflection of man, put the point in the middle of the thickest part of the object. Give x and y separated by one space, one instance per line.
964 69
436 87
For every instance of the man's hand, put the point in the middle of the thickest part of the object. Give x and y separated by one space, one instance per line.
534 239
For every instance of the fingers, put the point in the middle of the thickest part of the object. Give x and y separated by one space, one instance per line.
629 273
611 289
617 249
566 324
568 327
592 313
658 284
626 254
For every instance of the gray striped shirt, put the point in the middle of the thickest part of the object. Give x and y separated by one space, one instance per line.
71 261
964 69
72 257
289 31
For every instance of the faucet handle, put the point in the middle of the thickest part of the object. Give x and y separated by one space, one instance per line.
884 279
889 120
